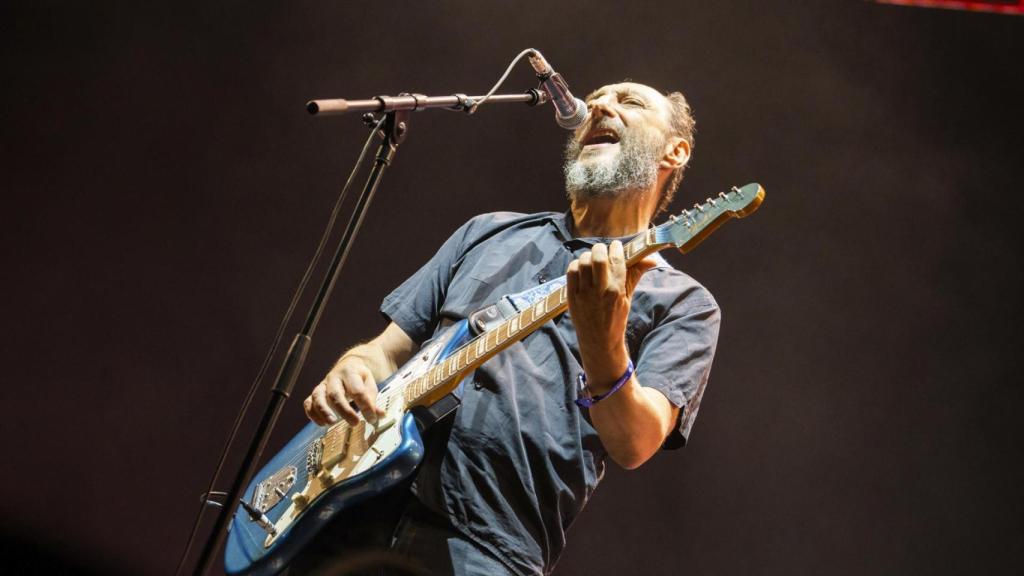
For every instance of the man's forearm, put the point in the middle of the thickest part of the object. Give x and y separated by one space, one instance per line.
632 422
381 365
354 378
384 354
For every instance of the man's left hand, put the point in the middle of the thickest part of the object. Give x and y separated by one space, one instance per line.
600 289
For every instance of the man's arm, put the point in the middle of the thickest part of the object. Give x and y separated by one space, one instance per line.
354 378
634 422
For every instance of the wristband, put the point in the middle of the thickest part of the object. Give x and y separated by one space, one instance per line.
588 400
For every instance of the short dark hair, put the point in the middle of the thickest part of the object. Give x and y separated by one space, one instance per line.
683 126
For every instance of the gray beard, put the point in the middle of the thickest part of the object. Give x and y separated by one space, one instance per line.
635 167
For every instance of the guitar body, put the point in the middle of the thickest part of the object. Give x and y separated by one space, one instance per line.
246 550
294 493
324 470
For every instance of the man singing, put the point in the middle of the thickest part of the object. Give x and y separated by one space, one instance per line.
507 474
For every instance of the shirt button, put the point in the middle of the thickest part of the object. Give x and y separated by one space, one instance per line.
542 279
477 386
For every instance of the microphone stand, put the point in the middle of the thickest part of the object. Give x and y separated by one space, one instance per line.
393 132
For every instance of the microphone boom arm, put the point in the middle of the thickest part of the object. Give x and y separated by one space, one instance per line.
332 107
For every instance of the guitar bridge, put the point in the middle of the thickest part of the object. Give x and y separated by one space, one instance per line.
314 455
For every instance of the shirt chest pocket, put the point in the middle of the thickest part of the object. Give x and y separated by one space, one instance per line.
467 293
485 276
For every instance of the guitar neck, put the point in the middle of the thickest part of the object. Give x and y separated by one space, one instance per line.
446 375
684 233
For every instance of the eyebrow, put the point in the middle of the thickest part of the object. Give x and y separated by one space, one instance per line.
620 91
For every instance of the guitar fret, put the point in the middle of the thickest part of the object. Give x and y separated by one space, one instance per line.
635 246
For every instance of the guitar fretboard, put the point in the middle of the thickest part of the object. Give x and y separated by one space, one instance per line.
445 376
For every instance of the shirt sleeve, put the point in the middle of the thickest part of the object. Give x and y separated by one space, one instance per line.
675 355
416 304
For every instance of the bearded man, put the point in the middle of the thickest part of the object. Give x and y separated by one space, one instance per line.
507 474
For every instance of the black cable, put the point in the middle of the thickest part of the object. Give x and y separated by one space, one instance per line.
247 401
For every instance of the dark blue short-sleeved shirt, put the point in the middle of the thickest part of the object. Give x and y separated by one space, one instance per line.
519 459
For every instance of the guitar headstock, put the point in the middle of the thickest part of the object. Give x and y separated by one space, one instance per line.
692 226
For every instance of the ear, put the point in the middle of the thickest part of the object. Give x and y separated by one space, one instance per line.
677 154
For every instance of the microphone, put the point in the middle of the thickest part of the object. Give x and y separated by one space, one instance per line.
570 112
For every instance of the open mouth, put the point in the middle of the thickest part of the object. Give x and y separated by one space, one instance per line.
601 137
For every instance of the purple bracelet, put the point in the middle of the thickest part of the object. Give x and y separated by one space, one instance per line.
588 401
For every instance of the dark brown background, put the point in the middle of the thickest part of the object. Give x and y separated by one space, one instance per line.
164 189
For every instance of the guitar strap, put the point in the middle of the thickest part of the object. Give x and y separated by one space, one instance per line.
511 304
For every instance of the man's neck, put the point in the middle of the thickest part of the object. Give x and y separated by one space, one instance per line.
612 217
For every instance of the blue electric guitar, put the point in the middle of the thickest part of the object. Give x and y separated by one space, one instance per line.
323 470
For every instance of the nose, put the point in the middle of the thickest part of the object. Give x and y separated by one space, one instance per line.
602 106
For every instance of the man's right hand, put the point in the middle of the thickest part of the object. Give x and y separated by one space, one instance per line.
350 381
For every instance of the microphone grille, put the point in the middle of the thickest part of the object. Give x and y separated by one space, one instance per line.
576 119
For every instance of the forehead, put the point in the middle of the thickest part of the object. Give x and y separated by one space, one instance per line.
629 88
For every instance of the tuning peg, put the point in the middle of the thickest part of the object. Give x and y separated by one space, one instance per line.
712 202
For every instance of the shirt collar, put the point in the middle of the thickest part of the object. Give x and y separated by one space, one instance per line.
563 223
563 226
